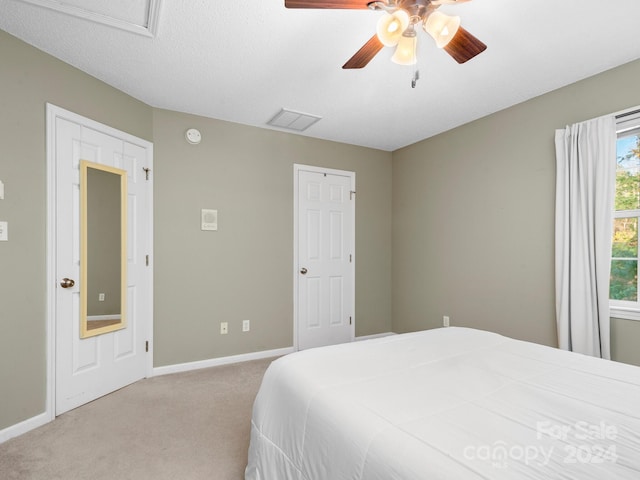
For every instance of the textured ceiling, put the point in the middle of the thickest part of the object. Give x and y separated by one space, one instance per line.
244 60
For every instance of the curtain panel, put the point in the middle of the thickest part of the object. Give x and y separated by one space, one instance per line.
585 189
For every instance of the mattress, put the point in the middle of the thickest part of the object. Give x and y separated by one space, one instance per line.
449 403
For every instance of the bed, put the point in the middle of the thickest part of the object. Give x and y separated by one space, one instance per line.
449 403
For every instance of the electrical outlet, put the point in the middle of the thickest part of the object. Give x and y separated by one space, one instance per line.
246 325
445 321
101 297
224 328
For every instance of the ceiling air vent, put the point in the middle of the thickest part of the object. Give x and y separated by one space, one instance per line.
291 120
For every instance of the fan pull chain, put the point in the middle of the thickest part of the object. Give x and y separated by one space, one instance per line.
416 72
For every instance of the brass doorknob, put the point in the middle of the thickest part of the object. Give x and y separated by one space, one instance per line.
67 283
303 271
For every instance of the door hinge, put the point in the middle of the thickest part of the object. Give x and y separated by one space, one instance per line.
146 172
350 258
351 194
146 346
146 260
350 321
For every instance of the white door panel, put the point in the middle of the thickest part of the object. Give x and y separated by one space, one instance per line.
88 368
324 265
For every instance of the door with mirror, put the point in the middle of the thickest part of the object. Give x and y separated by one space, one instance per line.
102 237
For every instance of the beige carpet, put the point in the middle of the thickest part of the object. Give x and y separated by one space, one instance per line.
192 425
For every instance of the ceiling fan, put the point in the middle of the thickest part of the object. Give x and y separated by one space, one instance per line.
397 27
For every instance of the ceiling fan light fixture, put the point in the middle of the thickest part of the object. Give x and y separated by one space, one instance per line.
391 26
405 53
441 27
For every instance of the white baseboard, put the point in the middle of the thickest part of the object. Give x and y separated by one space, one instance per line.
24 426
375 335
214 362
245 357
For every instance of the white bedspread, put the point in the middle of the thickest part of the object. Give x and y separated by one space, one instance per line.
451 403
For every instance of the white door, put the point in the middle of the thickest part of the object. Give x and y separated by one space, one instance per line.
88 368
324 267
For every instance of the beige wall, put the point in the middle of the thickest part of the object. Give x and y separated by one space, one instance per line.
29 79
244 270
625 341
473 216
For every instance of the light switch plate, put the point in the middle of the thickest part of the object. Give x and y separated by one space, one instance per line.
208 219
4 232
1 190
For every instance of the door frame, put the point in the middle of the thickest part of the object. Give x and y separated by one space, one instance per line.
52 113
329 171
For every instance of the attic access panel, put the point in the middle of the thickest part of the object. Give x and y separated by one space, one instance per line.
137 16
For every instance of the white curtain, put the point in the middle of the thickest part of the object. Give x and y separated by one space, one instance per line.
585 189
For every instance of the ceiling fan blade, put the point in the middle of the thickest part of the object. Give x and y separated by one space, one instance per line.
464 46
365 54
344 4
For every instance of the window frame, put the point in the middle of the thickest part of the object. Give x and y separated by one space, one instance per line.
627 125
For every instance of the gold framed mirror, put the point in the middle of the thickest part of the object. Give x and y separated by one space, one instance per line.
103 249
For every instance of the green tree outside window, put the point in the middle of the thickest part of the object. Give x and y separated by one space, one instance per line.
624 264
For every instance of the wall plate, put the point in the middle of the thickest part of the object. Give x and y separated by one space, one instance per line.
208 219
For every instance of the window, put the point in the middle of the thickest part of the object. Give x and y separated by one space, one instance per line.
625 256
